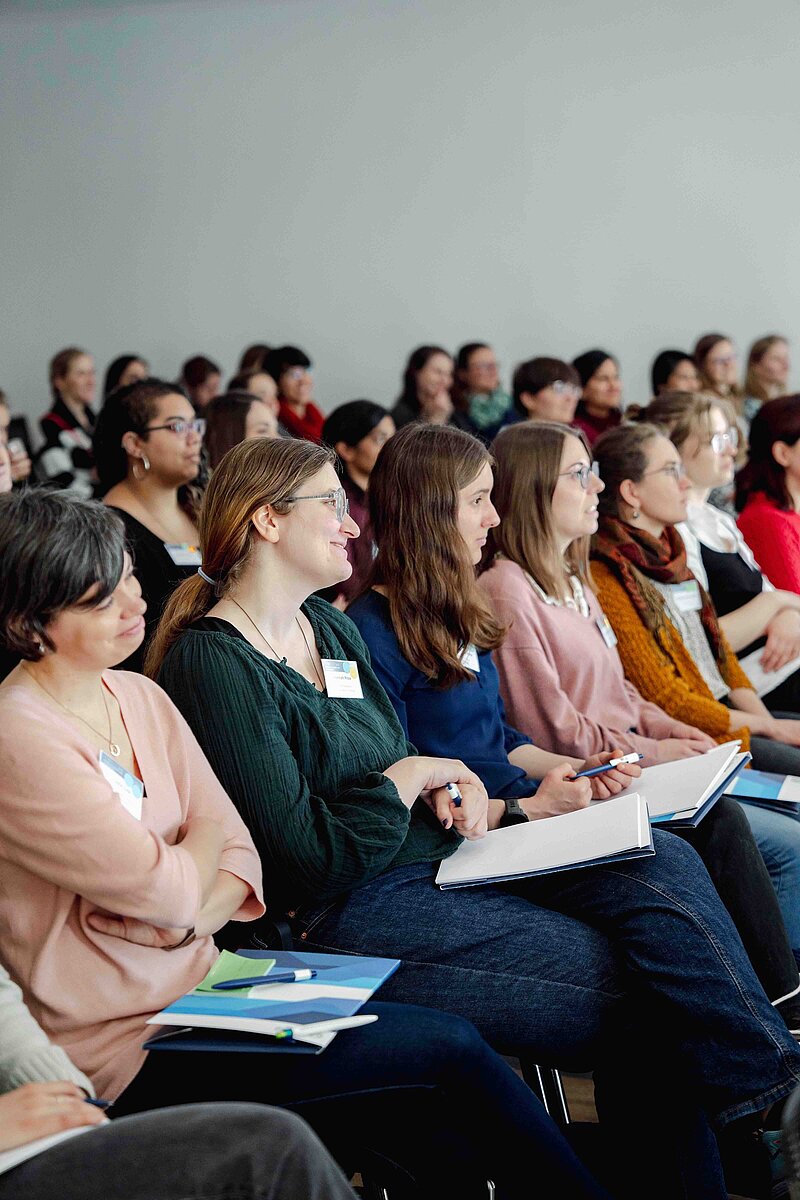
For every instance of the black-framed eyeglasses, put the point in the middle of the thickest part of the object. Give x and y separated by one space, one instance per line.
676 470
337 497
582 474
196 425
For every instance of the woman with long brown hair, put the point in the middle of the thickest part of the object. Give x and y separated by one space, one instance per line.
351 825
766 374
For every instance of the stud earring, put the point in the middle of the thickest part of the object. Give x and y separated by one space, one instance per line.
635 514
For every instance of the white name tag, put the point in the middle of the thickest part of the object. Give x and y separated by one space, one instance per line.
341 679
606 629
687 596
470 660
184 555
129 789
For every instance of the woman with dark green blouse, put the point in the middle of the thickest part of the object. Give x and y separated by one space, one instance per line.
577 967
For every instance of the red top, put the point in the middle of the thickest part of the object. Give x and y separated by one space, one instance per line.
594 426
308 426
774 537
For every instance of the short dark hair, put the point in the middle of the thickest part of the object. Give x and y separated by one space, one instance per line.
128 409
226 418
197 370
117 369
351 422
663 366
538 373
282 359
53 548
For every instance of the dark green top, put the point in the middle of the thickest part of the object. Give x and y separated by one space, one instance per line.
304 769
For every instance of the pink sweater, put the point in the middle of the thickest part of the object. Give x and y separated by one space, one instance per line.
67 847
560 682
774 537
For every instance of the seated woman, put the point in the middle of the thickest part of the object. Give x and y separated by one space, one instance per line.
252 1150
752 614
253 357
118 844
19 454
65 460
599 408
200 379
766 373
440 712
128 368
674 371
234 418
717 365
427 384
357 431
545 389
477 393
290 367
147 446
278 687
768 491
537 582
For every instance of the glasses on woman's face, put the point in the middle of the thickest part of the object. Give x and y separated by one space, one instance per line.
720 442
181 428
336 498
723 360
562 388
583 474
676 470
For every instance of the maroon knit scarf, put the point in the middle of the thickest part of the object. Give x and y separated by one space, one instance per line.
622 547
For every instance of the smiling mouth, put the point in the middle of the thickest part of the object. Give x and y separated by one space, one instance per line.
137 628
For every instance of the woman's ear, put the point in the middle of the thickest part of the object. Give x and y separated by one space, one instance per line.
528 402
264 523
629 494
131 444
781 452
344 451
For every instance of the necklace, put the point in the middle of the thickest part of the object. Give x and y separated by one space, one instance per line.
282 657
112 746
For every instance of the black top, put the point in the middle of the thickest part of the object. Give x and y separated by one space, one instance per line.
158 577
731 583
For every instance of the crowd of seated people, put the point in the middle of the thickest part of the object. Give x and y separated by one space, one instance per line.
525 584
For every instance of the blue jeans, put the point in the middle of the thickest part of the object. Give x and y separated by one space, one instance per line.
418 1089
602 967
778 838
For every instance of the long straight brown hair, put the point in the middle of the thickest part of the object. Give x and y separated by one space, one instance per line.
257 472
422 560
527 465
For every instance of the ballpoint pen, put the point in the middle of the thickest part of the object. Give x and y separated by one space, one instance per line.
257 980
454 793
609 766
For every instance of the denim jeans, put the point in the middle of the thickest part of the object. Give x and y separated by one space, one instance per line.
418 1088
778 838
599 967
204 1152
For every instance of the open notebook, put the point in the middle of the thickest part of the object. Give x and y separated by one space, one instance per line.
682 792
598 834
768 790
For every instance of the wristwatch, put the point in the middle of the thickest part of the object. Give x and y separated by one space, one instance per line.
514 814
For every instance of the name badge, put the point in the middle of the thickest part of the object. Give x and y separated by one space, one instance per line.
607 631
341 679
129 789
470 660
687 596
184 555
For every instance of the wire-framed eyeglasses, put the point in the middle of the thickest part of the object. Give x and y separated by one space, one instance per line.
337 498
582 474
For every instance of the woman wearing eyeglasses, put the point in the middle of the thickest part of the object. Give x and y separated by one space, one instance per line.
668 636
147 446
768 491
545 389
761 623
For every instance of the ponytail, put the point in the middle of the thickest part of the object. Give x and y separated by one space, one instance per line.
191 600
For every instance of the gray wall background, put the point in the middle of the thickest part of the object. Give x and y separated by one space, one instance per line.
360 176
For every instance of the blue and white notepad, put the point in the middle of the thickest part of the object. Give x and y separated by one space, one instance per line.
310 1011
767 790
681 793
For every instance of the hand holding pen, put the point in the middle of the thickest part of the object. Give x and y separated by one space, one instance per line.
610 772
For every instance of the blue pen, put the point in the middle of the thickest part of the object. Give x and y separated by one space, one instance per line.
454 793
97 1103
609 766
257 980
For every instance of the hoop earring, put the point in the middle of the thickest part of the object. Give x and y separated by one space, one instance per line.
144 462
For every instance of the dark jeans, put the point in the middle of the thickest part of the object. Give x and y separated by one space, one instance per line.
420 1089
202 1152
606 967
724 841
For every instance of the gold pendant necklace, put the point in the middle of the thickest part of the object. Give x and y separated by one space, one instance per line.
112 745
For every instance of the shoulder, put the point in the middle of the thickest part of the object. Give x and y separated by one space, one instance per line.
504 577
370 613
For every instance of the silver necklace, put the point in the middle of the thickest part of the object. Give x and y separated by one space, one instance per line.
282 657
112 746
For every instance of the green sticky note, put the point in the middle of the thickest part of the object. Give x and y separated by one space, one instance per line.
234 966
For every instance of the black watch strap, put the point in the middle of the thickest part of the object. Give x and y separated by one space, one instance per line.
514 814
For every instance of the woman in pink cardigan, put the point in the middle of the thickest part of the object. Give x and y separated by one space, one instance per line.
120 856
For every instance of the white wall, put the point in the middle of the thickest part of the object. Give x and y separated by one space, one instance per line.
359 176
